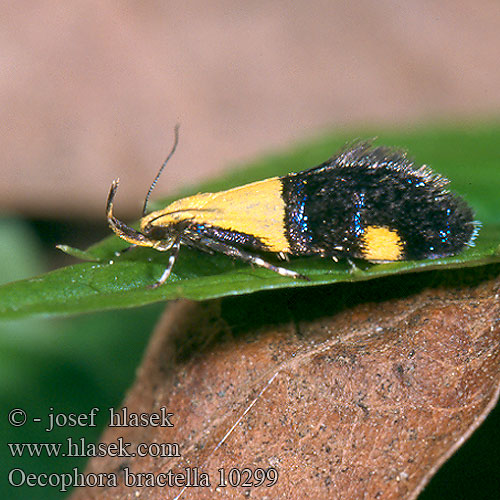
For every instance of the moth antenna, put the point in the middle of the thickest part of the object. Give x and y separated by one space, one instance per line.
153 184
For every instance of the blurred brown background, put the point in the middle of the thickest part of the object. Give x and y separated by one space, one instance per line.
91 90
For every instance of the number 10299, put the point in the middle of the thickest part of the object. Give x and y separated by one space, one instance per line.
247 478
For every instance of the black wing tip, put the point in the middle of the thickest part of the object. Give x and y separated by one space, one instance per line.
364 153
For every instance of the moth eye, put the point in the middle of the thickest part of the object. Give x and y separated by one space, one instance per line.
158 233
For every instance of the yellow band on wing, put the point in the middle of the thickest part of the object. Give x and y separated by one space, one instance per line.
381 244
255 209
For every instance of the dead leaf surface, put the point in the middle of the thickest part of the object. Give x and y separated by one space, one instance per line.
350 391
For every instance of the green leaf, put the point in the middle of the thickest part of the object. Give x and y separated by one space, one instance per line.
77 253
469 156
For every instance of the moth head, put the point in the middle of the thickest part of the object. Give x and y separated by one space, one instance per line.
162 237
151 235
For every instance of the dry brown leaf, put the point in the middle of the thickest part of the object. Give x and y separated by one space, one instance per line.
350 391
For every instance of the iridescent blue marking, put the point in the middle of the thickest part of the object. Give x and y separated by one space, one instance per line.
300 218
445 234
358 225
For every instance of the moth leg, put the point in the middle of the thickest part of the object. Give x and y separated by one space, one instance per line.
197 245
171 261
283 256
353 267
125 250
236 253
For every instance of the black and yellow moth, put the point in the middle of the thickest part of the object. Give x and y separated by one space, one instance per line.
365 202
